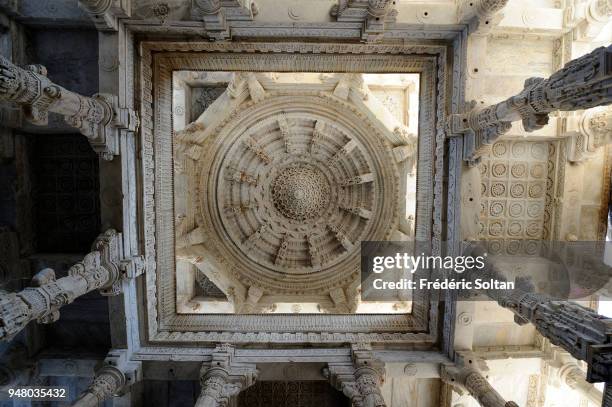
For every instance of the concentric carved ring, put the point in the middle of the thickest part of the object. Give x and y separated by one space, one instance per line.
289 187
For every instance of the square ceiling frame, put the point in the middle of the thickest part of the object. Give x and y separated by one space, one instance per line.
158 60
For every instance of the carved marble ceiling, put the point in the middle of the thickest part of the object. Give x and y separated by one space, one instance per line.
280 178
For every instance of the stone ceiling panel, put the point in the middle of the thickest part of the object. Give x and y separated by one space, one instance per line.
268 163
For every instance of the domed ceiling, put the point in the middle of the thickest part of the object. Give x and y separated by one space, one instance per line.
288 176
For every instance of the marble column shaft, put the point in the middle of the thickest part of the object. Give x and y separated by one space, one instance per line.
108 381
477 385
99 270
98 118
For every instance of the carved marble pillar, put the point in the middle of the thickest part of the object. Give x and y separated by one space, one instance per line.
99 270
587 132
99 118
116 375
223 378
213 384
471 380
580 331
361 379
108 381
582 84
106 13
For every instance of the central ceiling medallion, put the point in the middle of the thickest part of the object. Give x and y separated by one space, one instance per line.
301 192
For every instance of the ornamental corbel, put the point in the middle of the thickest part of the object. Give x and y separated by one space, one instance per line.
480 15
256 91
351 82
105 14
376 19
588 18
223 378
132 267
212 14
380 17
587 133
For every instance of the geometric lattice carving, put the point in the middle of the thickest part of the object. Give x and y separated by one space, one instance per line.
206 288
203 97
67 194
516 179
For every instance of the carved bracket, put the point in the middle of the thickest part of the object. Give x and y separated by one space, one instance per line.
480 15
218 15
106 13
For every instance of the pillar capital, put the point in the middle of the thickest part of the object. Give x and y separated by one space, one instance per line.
99 118
115 377
360 379
223 377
